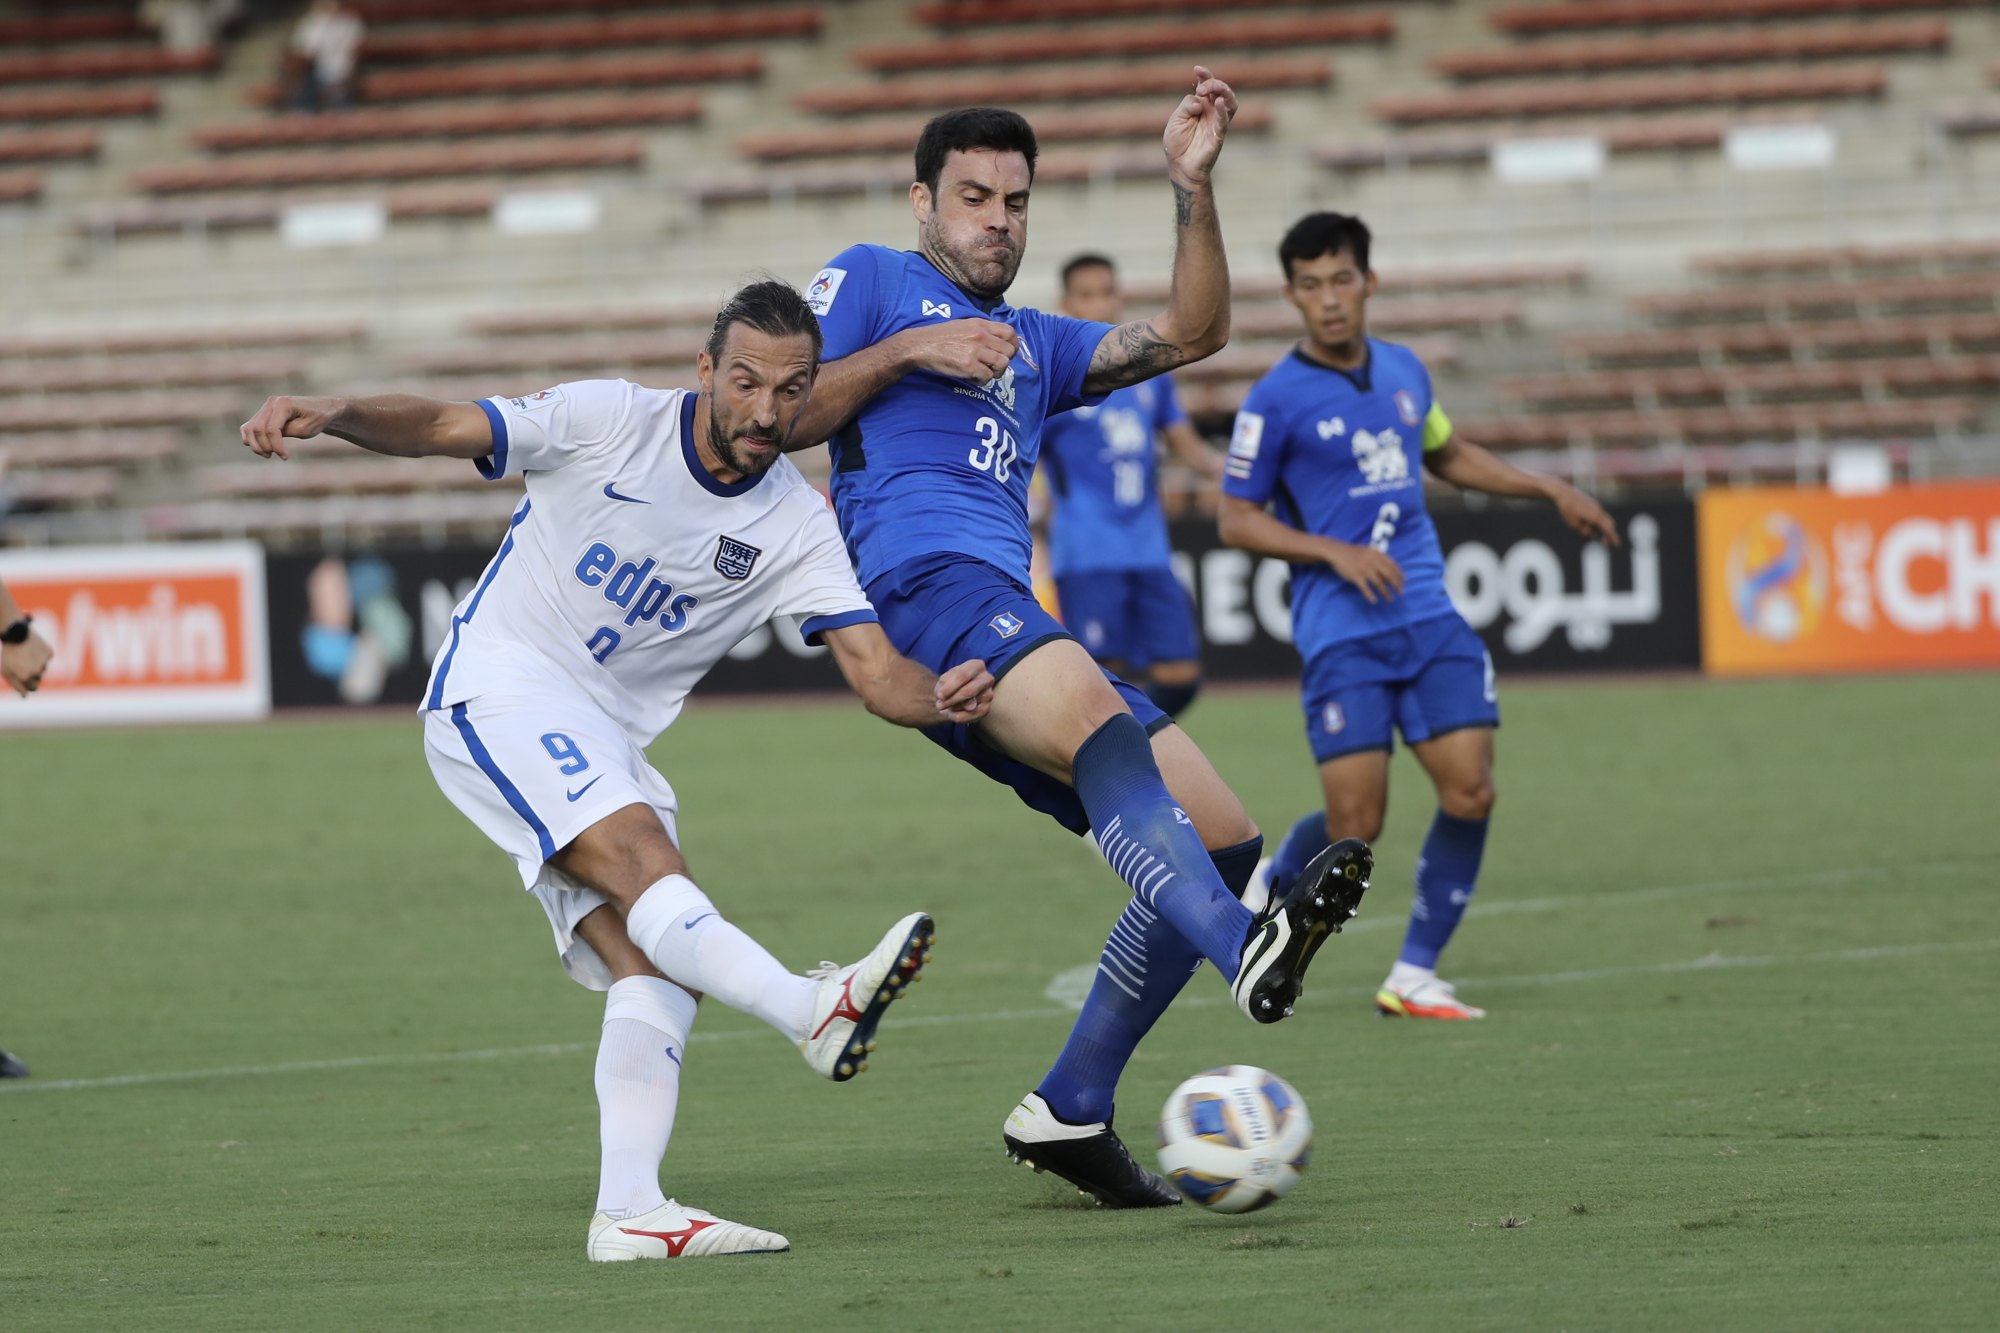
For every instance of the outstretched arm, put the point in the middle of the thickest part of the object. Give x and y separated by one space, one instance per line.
1472 468
898 690
1196 321
399 424
968 349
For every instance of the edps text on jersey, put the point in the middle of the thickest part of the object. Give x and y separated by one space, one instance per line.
632 589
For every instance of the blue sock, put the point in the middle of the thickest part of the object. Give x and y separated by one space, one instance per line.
1171 699
1446 874
1152 844
1145 965
1306 840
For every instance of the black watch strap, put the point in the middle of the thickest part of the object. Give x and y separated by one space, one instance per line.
18 631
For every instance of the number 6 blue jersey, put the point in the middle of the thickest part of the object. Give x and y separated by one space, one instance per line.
934 464
1341 454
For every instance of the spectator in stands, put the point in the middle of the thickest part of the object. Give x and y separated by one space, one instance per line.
324 48
24 655
184 26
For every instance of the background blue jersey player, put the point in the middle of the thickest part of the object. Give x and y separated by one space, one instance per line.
935 433
1107 533
1328 440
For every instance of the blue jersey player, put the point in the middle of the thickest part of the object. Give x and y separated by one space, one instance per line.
1322 471
1107 535
936 411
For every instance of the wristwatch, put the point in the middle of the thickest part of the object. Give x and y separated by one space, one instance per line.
17 632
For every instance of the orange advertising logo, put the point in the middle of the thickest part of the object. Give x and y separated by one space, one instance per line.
1805 580
144 633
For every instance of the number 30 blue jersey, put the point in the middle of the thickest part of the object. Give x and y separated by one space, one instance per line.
934 464
1341 454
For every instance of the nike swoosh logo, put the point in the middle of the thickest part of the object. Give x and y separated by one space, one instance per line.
690 925
577 795
628 499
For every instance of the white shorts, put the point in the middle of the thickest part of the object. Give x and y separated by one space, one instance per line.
534 771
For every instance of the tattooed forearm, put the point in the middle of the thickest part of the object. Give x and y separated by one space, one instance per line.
1131 353
1183 205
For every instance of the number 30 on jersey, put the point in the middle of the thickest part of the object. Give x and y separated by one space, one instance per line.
996 450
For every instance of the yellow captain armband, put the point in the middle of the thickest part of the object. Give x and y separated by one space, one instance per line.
1437 428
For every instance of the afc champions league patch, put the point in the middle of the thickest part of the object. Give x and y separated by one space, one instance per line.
1006 624
826 286
734 559
1333 720
1406 407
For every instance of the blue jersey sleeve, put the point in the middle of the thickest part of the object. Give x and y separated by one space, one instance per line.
1068 345
844 295
1256 450
1167 404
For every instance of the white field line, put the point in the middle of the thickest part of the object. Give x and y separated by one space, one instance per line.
1712 962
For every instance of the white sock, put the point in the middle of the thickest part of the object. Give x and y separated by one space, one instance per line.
1405 975
646 1022
677 927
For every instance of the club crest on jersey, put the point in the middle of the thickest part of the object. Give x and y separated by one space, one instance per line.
734 559
1381 457
1007 624
1406 407
1002 388
1333 720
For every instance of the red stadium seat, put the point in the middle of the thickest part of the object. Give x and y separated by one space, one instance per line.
1194 38
1868 377
530 357
996 13
1977 291
74 488
126 372
453 122
386 13
74 449
355 475
1468 146
501 78
107 63
1827 261
248 172
1715 424
679 30
20 187
66 145
899 136
1825 42
1058 85
1529 20
138 409
231 212
1939 335
1654 93
78 104
64 29
589 318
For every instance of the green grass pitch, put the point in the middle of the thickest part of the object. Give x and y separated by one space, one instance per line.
1741 945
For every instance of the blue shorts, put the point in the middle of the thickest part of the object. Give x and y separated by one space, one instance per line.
941 610
1132 616
1423 680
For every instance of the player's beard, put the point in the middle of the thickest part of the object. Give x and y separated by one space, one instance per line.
981 272
750 465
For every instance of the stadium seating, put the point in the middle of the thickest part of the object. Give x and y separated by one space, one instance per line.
61 145
589 318
386 13
1870 377
998 13
180 338
20 186
500 78
531 357
1058 85
230 212
1535 19
141 372
104 410
1432 146
1960 291
78 104
72 488
897 136
351 476
1826 42
1193 37
1924 416
1830 261
142 62
678 30
1620 94
384 164
453 122
1719 344
476 514
62 29
89 449
1393 283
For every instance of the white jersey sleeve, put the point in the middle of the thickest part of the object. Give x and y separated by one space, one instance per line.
547 430
820 592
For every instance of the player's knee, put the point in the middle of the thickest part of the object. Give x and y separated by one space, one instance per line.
1468 800
1354 819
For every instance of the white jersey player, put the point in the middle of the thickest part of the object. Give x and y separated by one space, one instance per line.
659 528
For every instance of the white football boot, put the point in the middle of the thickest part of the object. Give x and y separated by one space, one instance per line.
673 1232
850 1000
1423 997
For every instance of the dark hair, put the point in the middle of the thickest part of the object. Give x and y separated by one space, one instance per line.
1087 259
769 306
969 128
1318 234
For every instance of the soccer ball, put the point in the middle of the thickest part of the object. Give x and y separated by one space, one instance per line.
1235 1139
